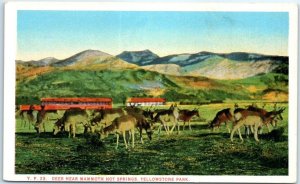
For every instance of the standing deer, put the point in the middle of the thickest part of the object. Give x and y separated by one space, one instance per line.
27 116
252 120
120 125
170 115
41 116
187 115
142 124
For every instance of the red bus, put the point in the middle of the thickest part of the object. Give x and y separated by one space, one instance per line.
68 103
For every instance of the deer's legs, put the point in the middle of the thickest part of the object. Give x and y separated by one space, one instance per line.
236 127
132 132
124 137
255 132
117 141
175 123
74 130
44 127
141 133
165 126
189 125
240 135
227 127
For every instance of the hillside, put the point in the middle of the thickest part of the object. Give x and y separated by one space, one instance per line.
39 63
170 69
121 84
220 68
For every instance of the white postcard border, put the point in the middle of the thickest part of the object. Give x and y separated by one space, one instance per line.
10 43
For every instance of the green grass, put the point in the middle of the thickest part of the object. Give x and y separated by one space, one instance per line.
196 152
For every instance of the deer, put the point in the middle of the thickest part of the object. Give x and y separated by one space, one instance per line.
266 118
70 119
120 125
105 118
143 123
187 115
223 116
170 115
240 113
27 116
41 115
251 120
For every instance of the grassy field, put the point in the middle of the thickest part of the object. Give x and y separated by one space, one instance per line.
196 152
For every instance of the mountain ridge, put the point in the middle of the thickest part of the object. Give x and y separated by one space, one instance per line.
84 55
138 57
235 65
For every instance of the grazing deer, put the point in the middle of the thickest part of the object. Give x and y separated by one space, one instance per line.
170 115
105 118
41 116
251 110
252 120
223 116
186 116
142 123
70 119
120 125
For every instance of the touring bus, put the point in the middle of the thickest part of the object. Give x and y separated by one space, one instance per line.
68 103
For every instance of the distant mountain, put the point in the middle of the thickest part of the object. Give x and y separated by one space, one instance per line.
237 65
42 62
138 57
216 67
170 69
83 57
221 68
91 60
234 65
190 59
244 56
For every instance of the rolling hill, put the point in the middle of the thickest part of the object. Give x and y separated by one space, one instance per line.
39 63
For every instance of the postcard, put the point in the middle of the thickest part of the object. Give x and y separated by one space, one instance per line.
150 92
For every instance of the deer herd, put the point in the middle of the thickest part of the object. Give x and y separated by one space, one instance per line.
125 121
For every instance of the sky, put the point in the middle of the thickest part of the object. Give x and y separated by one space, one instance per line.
61 34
